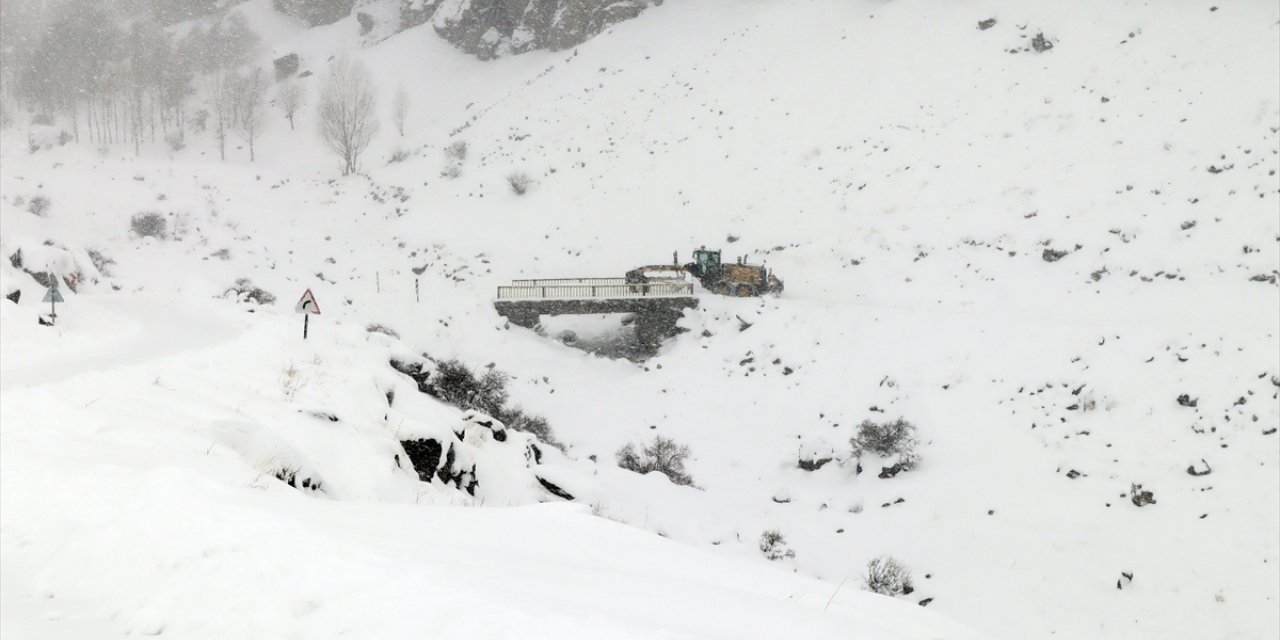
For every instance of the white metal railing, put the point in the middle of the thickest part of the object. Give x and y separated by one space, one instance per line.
541 282
589 291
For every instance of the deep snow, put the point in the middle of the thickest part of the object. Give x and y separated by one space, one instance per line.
900 169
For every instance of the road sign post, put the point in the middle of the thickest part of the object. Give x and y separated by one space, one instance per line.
53 296
307 306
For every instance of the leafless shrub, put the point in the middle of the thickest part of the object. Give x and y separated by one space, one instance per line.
456 151
400 154
774 546
886 576
383 329
519 182
39 205
100 262
887 439
662 455
149 224
454 383
244 291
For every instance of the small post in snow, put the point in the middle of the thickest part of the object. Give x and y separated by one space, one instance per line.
53 296
417 297
307 306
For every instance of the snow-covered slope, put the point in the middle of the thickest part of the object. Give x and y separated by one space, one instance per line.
910 176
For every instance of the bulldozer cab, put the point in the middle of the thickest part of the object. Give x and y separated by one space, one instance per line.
705 261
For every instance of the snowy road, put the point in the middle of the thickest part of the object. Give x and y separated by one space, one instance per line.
99 333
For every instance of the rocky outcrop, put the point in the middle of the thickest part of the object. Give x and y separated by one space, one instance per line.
315 12
493 28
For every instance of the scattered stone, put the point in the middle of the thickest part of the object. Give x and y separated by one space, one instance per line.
812 464
1139 497
889 472
1053 255
1192 470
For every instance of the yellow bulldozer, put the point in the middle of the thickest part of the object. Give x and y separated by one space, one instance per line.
734 279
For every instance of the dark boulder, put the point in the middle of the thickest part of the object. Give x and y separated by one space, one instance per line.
286 66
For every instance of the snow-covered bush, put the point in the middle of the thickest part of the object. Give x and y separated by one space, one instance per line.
662 455
518 420
774 546
100 261
383 329
456 151
453 383
887 439
400 154
886 576
39 205
244 291
519 182
149 224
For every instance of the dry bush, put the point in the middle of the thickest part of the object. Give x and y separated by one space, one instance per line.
662 455
887 439
886 576
149 224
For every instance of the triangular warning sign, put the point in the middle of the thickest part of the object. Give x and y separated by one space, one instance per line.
53 294
307 304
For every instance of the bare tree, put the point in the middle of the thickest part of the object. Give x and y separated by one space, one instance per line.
289 99
218 88
347 111
400 110
249 94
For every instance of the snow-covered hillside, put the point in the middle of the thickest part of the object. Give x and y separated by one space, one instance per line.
1059 265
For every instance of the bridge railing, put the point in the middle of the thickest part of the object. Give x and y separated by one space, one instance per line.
595 291
549 282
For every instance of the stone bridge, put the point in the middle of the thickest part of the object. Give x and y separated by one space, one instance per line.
657 305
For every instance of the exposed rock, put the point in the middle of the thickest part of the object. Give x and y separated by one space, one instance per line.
424 454
889 472
813 464
492 28
555 490
1139 497
315 12
1053 255
14 295
1040 43
286 66
983 25
1192 470
1187 401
